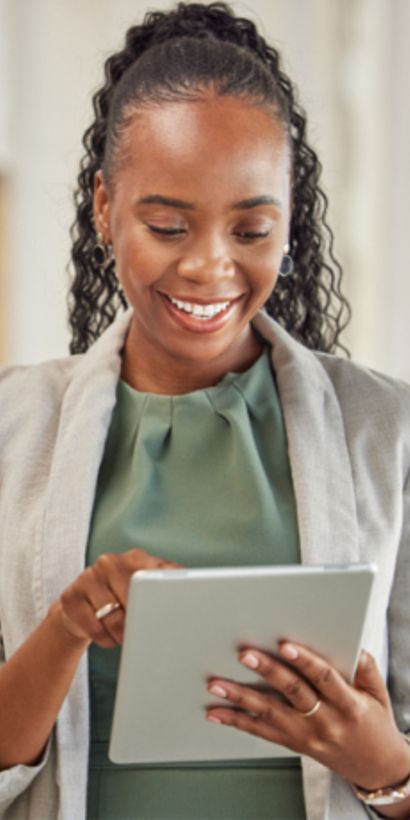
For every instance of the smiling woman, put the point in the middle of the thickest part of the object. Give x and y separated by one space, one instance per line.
207 424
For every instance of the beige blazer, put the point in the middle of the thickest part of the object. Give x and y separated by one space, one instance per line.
349 444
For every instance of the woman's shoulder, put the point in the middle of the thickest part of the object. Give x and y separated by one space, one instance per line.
367 393
51 375
355 386
33 393
346 372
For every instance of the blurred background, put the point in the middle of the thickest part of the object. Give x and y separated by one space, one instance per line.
351 62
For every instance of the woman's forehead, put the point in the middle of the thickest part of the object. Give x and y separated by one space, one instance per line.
218 138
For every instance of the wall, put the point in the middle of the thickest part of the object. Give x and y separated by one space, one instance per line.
5 160
349 58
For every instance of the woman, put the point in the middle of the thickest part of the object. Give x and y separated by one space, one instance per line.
200 193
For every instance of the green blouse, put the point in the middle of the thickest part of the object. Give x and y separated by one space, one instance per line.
201 478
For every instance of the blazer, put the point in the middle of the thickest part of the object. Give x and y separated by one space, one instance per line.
348 431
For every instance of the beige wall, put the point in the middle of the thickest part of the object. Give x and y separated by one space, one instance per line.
4 296
351 61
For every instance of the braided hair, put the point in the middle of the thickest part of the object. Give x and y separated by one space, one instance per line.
176 55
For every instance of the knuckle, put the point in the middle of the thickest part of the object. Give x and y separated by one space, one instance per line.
66 597
315 746
133 560
255 727
83 581
355 711
267 714
264 669
237 696
104 562
335 735
135 555
249 725
95 631
71 597
324 677
305 665
116 629
332 732
293 687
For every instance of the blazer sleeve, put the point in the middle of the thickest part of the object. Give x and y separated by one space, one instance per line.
14 781
399 624
399 630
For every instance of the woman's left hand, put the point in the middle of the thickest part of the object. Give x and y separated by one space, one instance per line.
353 731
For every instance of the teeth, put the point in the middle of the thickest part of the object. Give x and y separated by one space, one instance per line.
200 311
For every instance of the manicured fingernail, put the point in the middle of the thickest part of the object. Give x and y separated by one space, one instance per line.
213 719
218 690
288 651
250 660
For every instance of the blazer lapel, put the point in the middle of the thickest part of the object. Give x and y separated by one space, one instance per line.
85 417
318 453
84 421
323 484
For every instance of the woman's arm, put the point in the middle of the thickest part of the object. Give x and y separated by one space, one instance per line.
399 641
36 679
33 685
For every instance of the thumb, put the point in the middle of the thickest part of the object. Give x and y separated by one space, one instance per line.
369 679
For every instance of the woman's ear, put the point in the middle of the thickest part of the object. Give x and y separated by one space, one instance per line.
101 208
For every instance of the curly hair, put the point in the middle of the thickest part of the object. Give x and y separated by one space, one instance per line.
177 54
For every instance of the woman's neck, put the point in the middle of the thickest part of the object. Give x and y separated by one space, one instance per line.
156 372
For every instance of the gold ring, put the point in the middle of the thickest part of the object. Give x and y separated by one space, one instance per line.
311 711
106 610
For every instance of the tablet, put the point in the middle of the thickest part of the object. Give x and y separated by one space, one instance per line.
186 626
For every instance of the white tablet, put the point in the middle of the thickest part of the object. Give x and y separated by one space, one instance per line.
185 626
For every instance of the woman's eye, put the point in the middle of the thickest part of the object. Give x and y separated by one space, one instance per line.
249 235
166 231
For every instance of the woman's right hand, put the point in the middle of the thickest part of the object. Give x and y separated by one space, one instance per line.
106 581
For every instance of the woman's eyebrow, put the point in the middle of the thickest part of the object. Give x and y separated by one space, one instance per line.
265 199
158 199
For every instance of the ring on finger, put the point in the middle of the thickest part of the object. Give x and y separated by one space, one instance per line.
105 610
311 711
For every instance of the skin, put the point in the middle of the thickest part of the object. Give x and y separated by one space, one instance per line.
212 154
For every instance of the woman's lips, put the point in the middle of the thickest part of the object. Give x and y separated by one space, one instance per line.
195 324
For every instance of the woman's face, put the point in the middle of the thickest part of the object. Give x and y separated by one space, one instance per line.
198 213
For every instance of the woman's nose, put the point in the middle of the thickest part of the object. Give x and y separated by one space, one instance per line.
206 264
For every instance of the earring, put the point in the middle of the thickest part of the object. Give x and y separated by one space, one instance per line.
102 253
286 266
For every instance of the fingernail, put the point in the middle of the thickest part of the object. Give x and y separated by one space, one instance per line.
288 651
363 658
250 660
218 690
213 719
